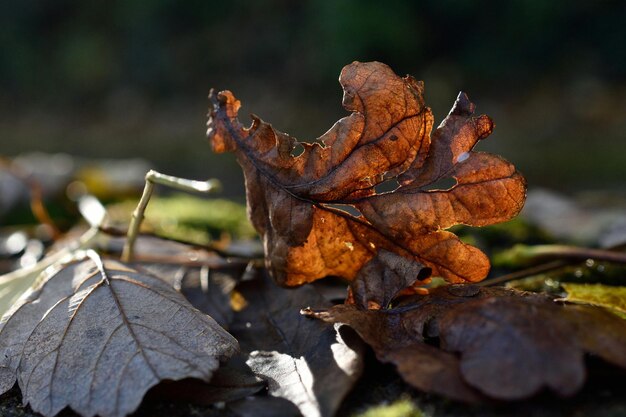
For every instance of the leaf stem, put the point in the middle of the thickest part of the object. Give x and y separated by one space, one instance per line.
152 178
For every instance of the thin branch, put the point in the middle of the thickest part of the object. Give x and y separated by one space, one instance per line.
216 248
524 254
152 178
554 257
182 260
527 272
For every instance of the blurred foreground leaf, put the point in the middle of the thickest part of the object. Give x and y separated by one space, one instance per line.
96 336
16 283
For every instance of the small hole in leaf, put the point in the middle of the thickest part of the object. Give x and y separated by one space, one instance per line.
463 157
430 332
386 186
347 208
297 150
424 273
441 184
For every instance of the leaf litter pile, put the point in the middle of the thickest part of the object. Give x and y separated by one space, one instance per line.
362 205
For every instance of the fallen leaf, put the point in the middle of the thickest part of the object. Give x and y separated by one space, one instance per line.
202 276
493 342
599 333
109 335
397 340
292 200
20 320
207 289
16 283
304 361
607 296
432 370
263 407
227 384
382 279
511 348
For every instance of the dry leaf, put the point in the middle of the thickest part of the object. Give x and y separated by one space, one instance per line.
258 406
18 323
111 333
306 362
205 278
383 278
227 384
511 348
292 199
495 342
207 289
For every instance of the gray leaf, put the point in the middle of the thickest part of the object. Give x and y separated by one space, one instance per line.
18 323
206 289
304 361
119 332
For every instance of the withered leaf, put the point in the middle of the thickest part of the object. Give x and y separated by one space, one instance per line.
306 362
18 323
207 289
263 407
493 342
101 346
292 199
383 278
532 346
227 384
202 276
397 340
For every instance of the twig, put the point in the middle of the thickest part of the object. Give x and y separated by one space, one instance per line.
182 260
153 178
528 272
224 253
524 254
36 200
565 255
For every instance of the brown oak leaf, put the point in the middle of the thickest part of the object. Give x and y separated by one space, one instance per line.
467 342
292 200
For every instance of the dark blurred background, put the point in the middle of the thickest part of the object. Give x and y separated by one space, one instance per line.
125 79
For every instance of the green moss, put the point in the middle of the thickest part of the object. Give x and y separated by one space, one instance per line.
400 408
607 296
188 218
